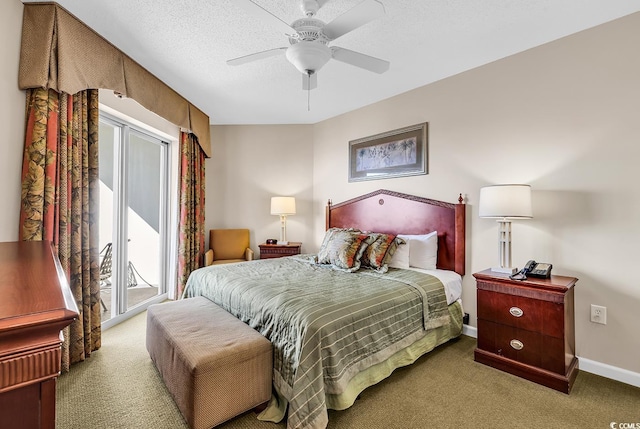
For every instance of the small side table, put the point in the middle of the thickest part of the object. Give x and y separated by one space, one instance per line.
268 251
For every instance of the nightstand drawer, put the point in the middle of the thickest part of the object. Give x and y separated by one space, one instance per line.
268 251
520 312
523 346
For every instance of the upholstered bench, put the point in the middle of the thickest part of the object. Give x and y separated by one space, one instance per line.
214 365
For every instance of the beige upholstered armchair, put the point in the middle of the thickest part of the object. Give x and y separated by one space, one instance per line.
228 245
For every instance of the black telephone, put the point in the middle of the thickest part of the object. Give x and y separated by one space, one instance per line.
533 269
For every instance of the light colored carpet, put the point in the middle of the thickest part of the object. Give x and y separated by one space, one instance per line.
119 387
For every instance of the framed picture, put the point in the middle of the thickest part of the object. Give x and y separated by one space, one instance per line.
396 153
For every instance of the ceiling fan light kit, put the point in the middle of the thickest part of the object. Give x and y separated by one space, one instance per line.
309 38
308 57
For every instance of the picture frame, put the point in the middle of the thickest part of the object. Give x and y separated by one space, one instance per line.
397 153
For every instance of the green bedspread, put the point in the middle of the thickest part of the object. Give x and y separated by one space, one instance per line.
326 325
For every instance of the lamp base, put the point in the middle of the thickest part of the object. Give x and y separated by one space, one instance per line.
282 242
505 270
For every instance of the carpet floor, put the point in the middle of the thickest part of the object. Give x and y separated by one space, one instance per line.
119 387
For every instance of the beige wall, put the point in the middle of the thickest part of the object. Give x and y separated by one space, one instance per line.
565 118
251 164
11 118
562 117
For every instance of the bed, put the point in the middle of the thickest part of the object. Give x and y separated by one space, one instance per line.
338 330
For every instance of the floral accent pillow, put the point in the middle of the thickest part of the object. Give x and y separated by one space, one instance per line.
378 254
343 248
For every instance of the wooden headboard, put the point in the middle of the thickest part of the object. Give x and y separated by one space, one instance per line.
396 213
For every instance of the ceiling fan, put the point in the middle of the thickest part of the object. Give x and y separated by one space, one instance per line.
309 38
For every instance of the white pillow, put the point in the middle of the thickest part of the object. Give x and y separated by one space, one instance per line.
400 258
423 250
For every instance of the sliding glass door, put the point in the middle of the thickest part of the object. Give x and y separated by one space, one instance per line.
134 168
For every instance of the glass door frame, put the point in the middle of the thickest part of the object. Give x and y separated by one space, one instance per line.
120 257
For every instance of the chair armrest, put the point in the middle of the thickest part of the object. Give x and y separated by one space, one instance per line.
208 257
248 254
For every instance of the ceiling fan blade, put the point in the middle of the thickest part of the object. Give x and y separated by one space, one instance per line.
257 56
261 13
309 81
357 59
358 15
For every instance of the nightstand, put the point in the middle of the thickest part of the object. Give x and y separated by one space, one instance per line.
279 250
526 328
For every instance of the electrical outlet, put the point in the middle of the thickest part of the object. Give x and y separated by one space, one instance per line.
598 314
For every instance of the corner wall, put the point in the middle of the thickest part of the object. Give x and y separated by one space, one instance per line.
12 105
563 117
249 165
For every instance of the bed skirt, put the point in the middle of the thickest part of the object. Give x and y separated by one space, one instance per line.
277 407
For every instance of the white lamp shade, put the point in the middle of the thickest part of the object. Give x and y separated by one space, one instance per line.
506 201
283 206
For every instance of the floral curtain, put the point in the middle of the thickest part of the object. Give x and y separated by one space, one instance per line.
60 201
191 194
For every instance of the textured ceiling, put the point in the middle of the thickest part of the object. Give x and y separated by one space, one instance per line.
186 44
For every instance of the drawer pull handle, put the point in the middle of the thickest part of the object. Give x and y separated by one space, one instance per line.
516 311
516 344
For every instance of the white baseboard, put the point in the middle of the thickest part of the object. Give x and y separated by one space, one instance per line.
469 331
602 369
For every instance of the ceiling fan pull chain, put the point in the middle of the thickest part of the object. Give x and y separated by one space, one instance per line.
309 91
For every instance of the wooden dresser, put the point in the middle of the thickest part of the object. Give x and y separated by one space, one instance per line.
35 305
526 327
279 250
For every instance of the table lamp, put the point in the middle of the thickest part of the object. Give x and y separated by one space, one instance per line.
505 202
283 206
